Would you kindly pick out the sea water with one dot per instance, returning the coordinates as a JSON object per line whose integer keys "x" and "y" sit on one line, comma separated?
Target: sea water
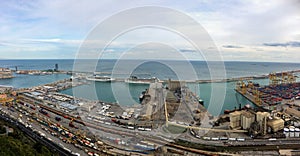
{"x": 107, "y": 91}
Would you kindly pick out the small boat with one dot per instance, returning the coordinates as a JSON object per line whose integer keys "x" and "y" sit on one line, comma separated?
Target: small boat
{"x": 100, "y": 78}
{"x": 141, "y": 97}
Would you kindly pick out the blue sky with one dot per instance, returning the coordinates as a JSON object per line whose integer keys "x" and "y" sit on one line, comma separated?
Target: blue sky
{"x": 243, "y": 30}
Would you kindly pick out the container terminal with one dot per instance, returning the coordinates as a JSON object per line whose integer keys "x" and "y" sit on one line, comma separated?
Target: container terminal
{"x": 170, "y": 119}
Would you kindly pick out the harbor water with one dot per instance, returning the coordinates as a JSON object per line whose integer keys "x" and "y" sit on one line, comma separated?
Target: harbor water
{"x": 104, "y": 90}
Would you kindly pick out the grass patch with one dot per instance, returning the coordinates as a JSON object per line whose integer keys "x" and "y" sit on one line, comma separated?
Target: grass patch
{"x": 175, "y": 129}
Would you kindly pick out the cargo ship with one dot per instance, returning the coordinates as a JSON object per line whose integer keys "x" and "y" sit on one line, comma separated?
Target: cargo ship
{"x": 135, "y": 79}
{"x": 100, "y": 78}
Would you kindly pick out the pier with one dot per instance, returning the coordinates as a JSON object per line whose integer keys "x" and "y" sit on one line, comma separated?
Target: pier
{"x": 85, "y": 74}
{"x": 282, "y": 90}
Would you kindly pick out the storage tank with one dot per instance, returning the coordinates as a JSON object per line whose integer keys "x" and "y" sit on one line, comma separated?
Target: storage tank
{"x": 235, "y": 119}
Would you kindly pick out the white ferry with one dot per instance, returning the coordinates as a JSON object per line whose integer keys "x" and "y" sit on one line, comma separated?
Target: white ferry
{"x": 135, "y": 79}
{"x": 100, "y": 78}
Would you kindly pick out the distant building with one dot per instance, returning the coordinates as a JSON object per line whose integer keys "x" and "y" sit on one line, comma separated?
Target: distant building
{"x": 5, "y": 73}
{"x": 5, "y": 89}
{"x": 56, "y": 67}
{"x": 87, "y": 107}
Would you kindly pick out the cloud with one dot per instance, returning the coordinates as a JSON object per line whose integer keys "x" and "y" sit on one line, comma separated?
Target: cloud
{"x": 232, "y": 46}
{"x": 237, "y": 26}
{"x": 286, "y": 44}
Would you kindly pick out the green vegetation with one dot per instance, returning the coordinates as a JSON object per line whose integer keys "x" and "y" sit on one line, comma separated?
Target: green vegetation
{"x": 175, "y": 129}
{"x": 200, "y": 146}
{"x": 2, "y": 129}
{"x": 18, "y": 144}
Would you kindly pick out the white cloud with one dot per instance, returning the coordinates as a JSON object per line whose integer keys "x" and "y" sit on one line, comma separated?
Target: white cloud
{"x": 61, "y": 26}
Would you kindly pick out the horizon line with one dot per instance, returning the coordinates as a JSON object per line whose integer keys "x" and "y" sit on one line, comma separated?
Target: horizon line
{"x": 18, "y": 59}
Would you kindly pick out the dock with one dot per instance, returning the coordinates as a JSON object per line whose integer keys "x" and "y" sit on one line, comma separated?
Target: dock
{"x": 282, "y": 89}
{"x": 85, "y": 74}
{"x": 249, "y": 97}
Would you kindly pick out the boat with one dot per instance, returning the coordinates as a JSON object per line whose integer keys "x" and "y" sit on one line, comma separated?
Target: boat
{"x": 100, "y": 78}
{"x": 141, "y": 97}
{"x": 135, "y": 79}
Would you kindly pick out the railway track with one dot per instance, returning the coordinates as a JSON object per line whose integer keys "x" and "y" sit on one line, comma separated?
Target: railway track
{"x": 118, "y": 132}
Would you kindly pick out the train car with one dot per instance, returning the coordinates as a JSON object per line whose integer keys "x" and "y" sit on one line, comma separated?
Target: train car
{"x": 144, "y": 147}
{"x": 31, "y": 107}
{"x": 44, "y": 112}
{"x": 57, "y": 118}
{"x": 215, "y": 138}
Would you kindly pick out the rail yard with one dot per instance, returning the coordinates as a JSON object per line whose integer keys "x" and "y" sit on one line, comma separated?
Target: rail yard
{"x": 170, "y": 119}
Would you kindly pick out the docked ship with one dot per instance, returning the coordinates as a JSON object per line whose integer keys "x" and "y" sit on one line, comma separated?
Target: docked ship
{"x": 135, "y": 79}
{"x": 100, "y": 78}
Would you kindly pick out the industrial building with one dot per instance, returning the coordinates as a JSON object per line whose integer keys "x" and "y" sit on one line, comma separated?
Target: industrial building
{"x": 275, "y": 124}
{"x": 235, "y": 119}
{"x": 261, "y": 118}
{"x": 292, "y": 112}
{"x": 261, "y": 122}
{"x": 86, "y": 106}
{"x": 247, "y": 118}
{"x": 67, "y": 106}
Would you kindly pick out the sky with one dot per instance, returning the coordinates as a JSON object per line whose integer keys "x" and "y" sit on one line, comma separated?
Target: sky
{"x": 241, "y": 30}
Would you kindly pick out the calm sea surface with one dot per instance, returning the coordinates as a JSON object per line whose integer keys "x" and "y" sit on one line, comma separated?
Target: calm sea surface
{"x": 162, "y": 70}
